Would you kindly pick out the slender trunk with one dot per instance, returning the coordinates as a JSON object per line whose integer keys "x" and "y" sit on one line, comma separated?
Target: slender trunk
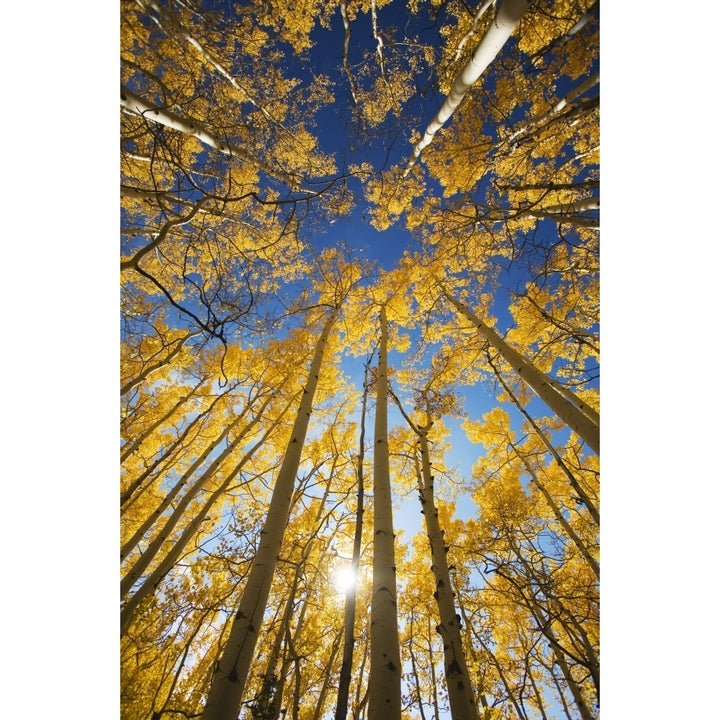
{"x": 478, "y": 16}
{"x": 297, "y": 676}
{"x": 189, "y": 126}
{"x": 147, "y": 557}
{"x": 503, "y": 679}
{"x": 414, "y": 670}
{"x": 351, "y": 593}
{"x": 130, "y": 447}
{"x": 536, "y": 691}
{"x": 269, "y": 699}
{"x": 168, "y": 562}
{"x": 230, "y": 675}
{"x": 462, "y": 699}
{"x": 560, "y": 691}
{"x": 479, "y": 679}
{"x": 558, "y": 107}
{"x": 558, "y": 513}
{"x": 179, "y": 345}
{"x": 582, "y": 495}
{"x": 433, "y": 676}
{"x": 506, "y": 19}
{"x": 327, "y": 676}
{"x": 360, "y": 702}
{"x": 385, "y": 669}
{"x": 574, "y": 417}
{"x": 291, "y": 657}
{"x": 346, "y": 47}
{"x": 574, "y": 688}
{"x": 180, "y": 667}
{"x": 460, "y": 692}
{"x": 166, "y": 457}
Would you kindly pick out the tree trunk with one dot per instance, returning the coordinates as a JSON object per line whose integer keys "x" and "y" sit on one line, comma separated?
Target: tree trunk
{"x": 462, "y": 699}
{"x": 180, "y": 344}
{"x": 414, "y": 669}
{"x": 189, "y": 126}
{"x": 460, "y": 692}
{"x": 155, "y": 578}
{"x": 582, "y": 495}
{"x": 351, "y": 594}
{"x": 558, "y": 107}
{"x": 573, "y": 417}
{"x": 506, "y": 18}
{"x": 147, "y": 557}
{"x": 228, "y": 683}
{"x": 385, "y": 669}
{"x": 130, "y": 447}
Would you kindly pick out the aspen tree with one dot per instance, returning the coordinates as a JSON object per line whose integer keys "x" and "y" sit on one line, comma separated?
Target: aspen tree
{"x": 223, "y": 192}
{"x": 130, "y": 447}
{"x": 385, "y": 668}
{"x": 508, "y": 14}
{"x": 462, "y": 698}
{"x": 351, "y": 593}
{"x": 574, "y": 417}
{"x": 150, "y": 584}
{"x": 167, "y": 456}
{"x": 228, "y": 682}
{"x": 577, "y": 487}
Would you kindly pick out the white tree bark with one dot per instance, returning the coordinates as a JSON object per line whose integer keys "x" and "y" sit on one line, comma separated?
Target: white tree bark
{"x": 572, "y": 208}
{"x": 457, "y": 676}
{"x": 179, "y": 344}
{"x": 574, "y": 417}
{"x": 137, "y": 570}
{"x": 478, "y": 16}
{"x": 189, "y": 126}
{"x": 228, "y": 682}
{"x": 567, "y": 212}
{"x": 385, "y": 668}
{"x": 168, "y": 562}
{"x": 160, "y": 17}
{"x": 558, "y": 107}
{"x": 505, "y": 22}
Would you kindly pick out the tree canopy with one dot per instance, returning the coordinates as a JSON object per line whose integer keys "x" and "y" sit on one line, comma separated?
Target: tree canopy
{"x": 359, "y": 359}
